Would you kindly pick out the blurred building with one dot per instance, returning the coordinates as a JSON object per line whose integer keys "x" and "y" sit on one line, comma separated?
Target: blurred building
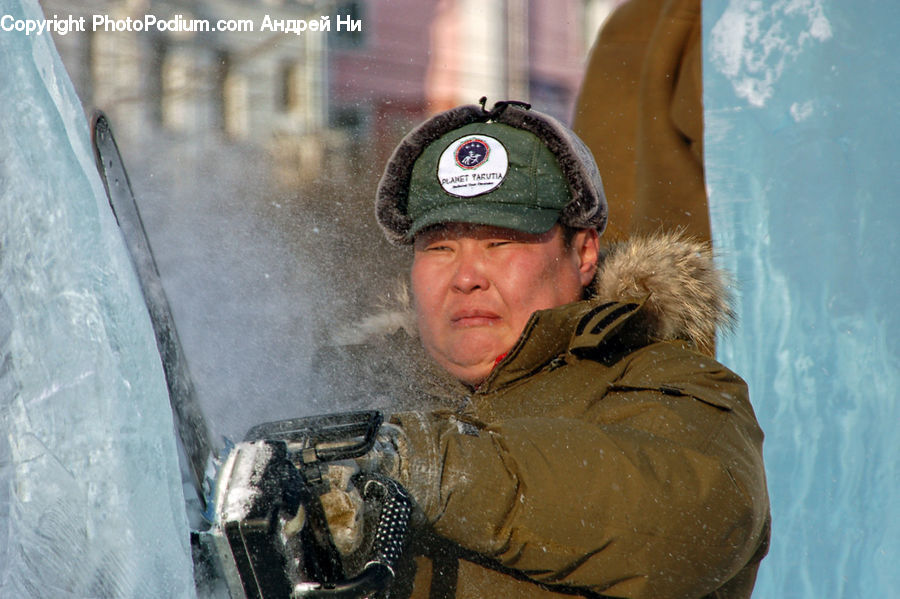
{"x": 377, "y": 77}
{"x": 415, "y": 58}
{"x": 530, "y": 50}
{"x": 204, "y": 67}
{"x": 311, "y": 99}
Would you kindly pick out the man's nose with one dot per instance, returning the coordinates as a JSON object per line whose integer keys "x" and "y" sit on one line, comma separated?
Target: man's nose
{"x": 470, "y": 274}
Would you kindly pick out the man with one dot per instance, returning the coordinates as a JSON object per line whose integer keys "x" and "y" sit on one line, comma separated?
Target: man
{"x": 562, "y": 432}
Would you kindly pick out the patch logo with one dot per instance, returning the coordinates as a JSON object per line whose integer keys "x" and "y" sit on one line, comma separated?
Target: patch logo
{"x": 472, "y": 165}
{"x": 472, "y": 153}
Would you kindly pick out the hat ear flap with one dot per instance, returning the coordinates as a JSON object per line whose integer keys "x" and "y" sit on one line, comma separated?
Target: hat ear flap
{"x": 392, "y": 196}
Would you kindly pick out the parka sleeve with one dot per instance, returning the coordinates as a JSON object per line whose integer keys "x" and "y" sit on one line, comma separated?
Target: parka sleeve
{"x": 641, "y": 489}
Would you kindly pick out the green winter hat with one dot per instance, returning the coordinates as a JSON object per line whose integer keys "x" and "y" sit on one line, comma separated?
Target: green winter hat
{"x": 509, "y": 167}
{"x": 487, "y": 174}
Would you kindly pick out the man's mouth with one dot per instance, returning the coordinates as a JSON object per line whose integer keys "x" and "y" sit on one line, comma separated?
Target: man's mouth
{"x": 473, "y": 318}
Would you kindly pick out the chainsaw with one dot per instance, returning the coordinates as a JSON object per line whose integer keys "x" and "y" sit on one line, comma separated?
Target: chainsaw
{"x": 269, "y": 537}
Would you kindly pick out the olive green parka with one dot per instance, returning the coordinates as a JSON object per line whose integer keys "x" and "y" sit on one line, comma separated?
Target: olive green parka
{"x": 603, "y": 456}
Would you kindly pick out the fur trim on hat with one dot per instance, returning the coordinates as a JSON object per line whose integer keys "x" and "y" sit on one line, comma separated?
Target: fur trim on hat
{"x": 587, "y": 208}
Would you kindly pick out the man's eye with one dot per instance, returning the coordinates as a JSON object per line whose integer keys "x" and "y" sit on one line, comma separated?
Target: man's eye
{"x": 499, "y": 242}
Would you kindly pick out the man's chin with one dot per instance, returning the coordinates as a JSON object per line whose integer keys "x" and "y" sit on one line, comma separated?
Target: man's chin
{"x": 470, "y": 375}
{"x": 471, "y": 367}
{"x": 468, "y": 357}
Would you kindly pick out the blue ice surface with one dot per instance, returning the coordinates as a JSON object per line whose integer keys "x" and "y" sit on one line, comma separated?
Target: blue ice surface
{"x": 802, "y": 156}
{"x": 91, "y": 502}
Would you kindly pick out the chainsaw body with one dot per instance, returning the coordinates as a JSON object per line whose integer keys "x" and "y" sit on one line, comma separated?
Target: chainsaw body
{"x": 269, "y": 535}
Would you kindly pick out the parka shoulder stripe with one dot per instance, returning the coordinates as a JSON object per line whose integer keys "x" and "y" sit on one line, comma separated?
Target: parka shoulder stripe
{"x": 586, "y": 319}
{"x": 599, "y": 324}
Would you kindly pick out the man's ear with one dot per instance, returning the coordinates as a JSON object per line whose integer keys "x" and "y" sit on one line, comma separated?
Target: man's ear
{"x": 586, "y": 245}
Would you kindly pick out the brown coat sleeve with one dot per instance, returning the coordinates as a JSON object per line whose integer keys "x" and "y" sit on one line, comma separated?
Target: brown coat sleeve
{"x": 641, "y": 490}
{"x": 640, "y": 110}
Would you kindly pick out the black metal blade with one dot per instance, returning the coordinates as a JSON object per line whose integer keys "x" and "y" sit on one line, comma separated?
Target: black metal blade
{"x": 189, "y": 420}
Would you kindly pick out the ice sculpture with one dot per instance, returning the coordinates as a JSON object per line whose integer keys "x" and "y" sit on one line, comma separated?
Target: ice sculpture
{"x": 91, "y": 503}
{"x": 801, "y": 151}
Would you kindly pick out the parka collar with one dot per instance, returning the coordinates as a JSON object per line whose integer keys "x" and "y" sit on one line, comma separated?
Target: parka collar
{"x": 593, "y": 324}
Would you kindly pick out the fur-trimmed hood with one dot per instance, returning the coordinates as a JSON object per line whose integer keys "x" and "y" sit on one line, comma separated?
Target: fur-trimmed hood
{"x": 688, "y": 297}
{"x": 685, "y": 295}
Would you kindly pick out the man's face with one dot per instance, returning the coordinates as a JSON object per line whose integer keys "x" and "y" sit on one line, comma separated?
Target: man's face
{"x": 476, "y": 286}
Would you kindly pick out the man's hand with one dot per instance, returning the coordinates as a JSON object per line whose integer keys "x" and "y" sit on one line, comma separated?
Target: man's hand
{"x": 343, "y": 507}
{"x": 389, "y": 456}
{"x": 342, "y": 503}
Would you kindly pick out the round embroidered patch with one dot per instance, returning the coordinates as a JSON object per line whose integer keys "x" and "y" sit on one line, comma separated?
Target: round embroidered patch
{"x": 472, "y": 165}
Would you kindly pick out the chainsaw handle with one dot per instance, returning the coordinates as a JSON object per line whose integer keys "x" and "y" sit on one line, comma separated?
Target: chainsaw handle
{"x": 393, "y": 522}
{"x": 325, "y": 438}
{"x": 390, "y": 532}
